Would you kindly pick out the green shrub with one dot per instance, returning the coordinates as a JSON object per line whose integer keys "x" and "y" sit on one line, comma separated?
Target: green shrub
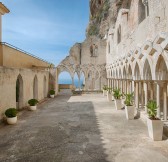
{"x": 105, "y": 87}
{"x": 11, "y": 112}
{"x": 152, "y": 109}
{"x": 32, "y": 102}
{"x": 129, "y": 99}
{"x": 117, "y": 94}
{"x": 52, "y": 92}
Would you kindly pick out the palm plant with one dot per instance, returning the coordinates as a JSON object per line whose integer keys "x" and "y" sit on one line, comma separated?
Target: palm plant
{"x": 117, "y": 93}
{"x": 129, "y": 99}
{"x": 152, "y": 109}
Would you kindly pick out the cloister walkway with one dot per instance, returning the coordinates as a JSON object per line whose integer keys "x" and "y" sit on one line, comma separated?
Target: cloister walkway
{"x": 83, "y": 128}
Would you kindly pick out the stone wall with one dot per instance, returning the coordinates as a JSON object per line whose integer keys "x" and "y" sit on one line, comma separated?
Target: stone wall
{"x": 8, "y": 79}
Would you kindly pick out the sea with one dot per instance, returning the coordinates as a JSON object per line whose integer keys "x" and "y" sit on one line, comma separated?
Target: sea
{"x": 69, "y": 81}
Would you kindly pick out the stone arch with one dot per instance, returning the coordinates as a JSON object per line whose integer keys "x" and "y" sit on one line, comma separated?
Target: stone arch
{"x": 141, "y": 11}
{"x": 35, "y": 87}
{"x": 129, "y": 72}
{"x": 137, "y": 72}
{"x": 124, "y": 73}
{"x": 161, "y": 72}
{"x": 19, "y": 92}
{"x": 119, "y": 34}
{"x": 116, "y": 73}
{"x": 45, "y": 87}
{"x": 147, "y": 72}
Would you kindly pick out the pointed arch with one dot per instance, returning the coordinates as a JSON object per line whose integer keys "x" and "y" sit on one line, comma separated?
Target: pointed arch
{"x": 45, "y": 87}
{"x": 137, "y": 72}
{"x": 19, "y": 92}
{"x": 161, "y": 71}
{"x": 141, "y": 11}
{"x": 147, "y": 73}
{"x": 35, "y": 88}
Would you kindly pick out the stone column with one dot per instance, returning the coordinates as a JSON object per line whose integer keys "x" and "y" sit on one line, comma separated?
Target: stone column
{"x": 146, "y": 94}
{"x": 121, "y": 86}
{"x": 158, "y": 99}
{"x": 165, "y": 102}
{"x": 151, "y": 91}
{"x": 73, "y": 81}
{"x": 142, "y": 96}
{"x": 108, "y": 82}
{"x": 137, "y": 95}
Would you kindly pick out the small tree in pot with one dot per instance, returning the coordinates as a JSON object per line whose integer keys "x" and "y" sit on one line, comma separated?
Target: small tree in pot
{"x": 105, "y": 88}
{"x": 11, "y": 115}
{"x": 129, "y": 107}
{"x": 33, "y": 104}
{"x": 52, "y": 93}
{"x": 155, "y": 125}
{"x": 117, "y": 98}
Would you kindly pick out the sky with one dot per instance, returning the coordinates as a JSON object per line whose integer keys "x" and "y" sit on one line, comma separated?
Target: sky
{"x": 45, "y": 28}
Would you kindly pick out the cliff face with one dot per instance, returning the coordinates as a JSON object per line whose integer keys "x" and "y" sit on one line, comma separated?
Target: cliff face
{"x": 102, "y": 13}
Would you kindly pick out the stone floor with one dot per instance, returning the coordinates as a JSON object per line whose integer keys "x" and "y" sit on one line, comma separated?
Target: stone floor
{"x": 83, "y": 128}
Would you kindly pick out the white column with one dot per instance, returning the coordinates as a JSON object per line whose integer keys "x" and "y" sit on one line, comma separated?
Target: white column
{"x": 108, "y": 82}
{"x": 142, "y": 96}
{"x": 158, "y": 99}
{"x": 146, "y": 94}
{"x": 137, "y": 95}
{"x": 165, "y": 103}
{"x": 151, "y": 91}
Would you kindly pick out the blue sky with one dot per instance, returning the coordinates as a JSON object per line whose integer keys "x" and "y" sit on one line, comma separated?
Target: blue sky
{"x": 45, "y": 28}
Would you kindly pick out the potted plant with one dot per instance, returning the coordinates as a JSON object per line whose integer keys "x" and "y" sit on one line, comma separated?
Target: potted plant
{"x": 11, "y": 115}
{"x": 33, "y": 104}
{"x": 117, "y": 98}
{"x": 109, "y": 94}
{"x": 105, "y": 90}
{"x": 52, "y": 93}
{"x": 129, "y": 107}
{"x": 155, "y": 125}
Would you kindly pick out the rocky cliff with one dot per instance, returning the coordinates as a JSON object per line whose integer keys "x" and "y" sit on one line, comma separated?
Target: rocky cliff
{"x": 103, "y": 13}
{"x": 99, "y": 17}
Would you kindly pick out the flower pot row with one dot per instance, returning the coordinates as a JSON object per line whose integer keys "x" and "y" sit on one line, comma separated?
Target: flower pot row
{"x": 11, "y": 113}
{"x": 155, "y": 125}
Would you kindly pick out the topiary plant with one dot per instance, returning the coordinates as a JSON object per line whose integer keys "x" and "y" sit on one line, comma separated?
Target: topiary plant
{"x": 117, "y": 94}
{"x": 52, "y": 92}
{"x": 33, "y": 102}
{"x": 152, "y": 109}
{"x": 11, "y": 113}
{"x": 129, "y": 99}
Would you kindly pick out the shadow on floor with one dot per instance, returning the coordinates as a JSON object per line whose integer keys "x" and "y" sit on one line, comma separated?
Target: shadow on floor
{"x": 59, "y": 131}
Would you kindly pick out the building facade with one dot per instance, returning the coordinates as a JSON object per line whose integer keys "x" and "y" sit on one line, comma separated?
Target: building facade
{"x": 137, "y": 52}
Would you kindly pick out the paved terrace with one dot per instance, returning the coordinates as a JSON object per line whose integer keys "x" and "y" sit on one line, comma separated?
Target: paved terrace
{"x": 83, "y": 128}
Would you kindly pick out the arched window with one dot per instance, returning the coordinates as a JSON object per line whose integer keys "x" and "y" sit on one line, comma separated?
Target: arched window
{"x": 141, "y": 12}
{"x": 119, "y": 34}
{"x": 109, "y": 50}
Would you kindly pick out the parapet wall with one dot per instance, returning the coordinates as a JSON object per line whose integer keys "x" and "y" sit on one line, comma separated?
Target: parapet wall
{"x": 12, "y": 57}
